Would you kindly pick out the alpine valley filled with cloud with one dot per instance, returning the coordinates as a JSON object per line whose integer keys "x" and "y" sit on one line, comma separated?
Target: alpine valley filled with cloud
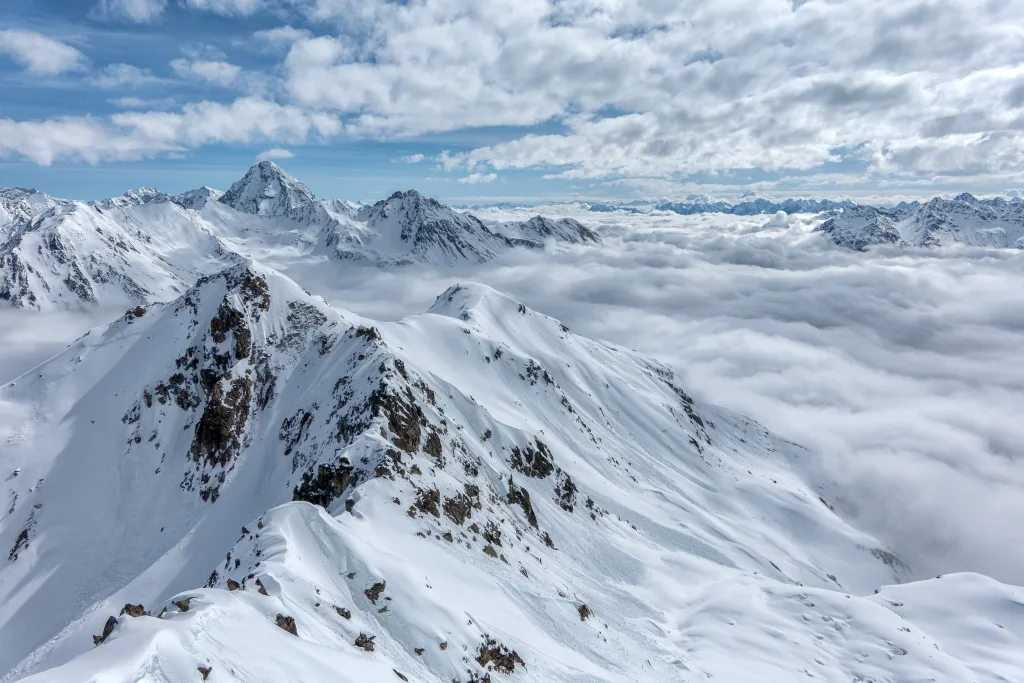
{"x": 440, "y": 341}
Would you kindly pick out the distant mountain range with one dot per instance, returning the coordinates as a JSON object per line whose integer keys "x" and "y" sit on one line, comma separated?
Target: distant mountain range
{"x": 147, "y": 246}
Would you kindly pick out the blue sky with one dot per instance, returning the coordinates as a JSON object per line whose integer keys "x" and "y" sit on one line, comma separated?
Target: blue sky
{"x": 517, "y": 99}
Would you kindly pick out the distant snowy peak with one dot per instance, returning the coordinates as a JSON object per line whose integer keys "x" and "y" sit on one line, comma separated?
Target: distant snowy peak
{"x": 539, "y": 228}
{"x": 138, "y": 197}
{"x": 859, "y": 227}
{"x": 266, "y": 190}
{"x": 410, "y": 228}
{"x": 964, "y": 219}
{"x": 197, "y": 199}
{"x": 18, "y": 205}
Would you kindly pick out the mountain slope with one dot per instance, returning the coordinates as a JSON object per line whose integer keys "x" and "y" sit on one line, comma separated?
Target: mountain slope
{"x": 540, "y": 229}
{"x": 130, "y": 249}
{"x": 410, "y": 228}
{"x": 487, "y": 476}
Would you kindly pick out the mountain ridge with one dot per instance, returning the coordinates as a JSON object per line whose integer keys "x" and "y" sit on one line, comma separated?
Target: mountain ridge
{"x": 365, "y": 462}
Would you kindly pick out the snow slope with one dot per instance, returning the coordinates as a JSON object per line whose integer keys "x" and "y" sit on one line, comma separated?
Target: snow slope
{"x": 454, "y": 487}
{"x": 129, "y": 249}
{"x": 409, "y": 228}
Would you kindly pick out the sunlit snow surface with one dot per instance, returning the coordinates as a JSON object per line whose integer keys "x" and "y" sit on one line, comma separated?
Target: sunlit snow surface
{"x": 899, "y": 370}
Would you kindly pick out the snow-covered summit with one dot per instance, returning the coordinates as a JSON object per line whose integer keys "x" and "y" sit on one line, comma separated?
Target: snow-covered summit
{"x": 409, "y": 228}
{"x": 268, "y": 191}
{"x": 137, "y": 197}
{"x": 197, "y": 199}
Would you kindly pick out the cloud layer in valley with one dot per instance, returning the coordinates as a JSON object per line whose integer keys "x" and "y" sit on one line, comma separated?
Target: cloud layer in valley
{"x": 901, "y": 371}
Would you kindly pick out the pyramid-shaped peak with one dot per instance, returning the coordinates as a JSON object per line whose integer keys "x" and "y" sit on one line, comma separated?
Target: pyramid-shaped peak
{"x": 267, "y": 190}
{"x": 468, "y": 300}
{"x": 966, "y": 197}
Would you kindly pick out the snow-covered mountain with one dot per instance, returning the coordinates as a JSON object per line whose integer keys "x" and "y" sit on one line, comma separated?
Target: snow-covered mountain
{"x": 267, "y": 191}
{"x": 146, "y": 246}
{"x": 408, "y": 228}
{"x": 130, "y": 249}
{"x": 540, "y": 229}
{"x": 246, "y": 484}
{"x": 938, "y": 222}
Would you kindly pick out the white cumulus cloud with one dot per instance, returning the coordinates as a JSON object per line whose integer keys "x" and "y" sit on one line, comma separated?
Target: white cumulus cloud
{"x": 275, "y": 153}
{"x": 39, "y": 54}
{"x": 137, "y": 11}
{"x": 477, "y": 178}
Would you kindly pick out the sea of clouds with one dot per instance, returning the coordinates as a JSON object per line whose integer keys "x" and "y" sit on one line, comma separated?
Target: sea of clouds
{"x": 901, "y": 370}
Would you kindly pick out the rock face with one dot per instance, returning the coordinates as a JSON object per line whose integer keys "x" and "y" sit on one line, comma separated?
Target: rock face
{"x": 197, "y": 199}
{"x": 267, "y": 191}
{"x": 470, "y": 477}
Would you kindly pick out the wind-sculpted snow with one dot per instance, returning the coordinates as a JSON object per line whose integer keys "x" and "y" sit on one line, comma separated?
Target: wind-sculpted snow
{"x": 474, "y": 491}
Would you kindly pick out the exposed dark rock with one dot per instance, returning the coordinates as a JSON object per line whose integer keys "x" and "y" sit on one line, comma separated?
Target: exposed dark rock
{"x": 108, "y": 628}
{"x": 204, "y": 671}
{"x": 400, "y": 675}
{"x": 261, "y": 588}
{"x": 364, "y": 641}
{"x": 402, "y": 413}
{"x": 373, "y": 592}
{"x": 20, "y": 543}
{"x": 491, "y": 533}
{"x": 536, "y": 463}
{"x": 428, "y": 501}
{"x": 495, "y": 656}
{"x": 458, "y": 508}
{"x": 183, "y": 604}
{"x": 434, "y": 449}
{"x": 287, "y": 624}
{"x": 565, "y": 492}
{"x": 521, "y": 497}
{"x": 328, "y": 485}
{"x": 584, "y": 611}
{"x": 134, "y": 610}
{"x": 233, "y": 585}
{"x": 489, "y": 550}
{"x": 343, "y": 613}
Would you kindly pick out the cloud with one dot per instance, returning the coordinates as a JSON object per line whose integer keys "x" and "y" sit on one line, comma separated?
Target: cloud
{"x": 413, "y": 158}
{"x": 282, "y": 35}
{"x": 476, "y": 178}
{"x": 120, "y": 75}
{"x": 226, "y": 7}
{"x": 137, "y": 135}
{"x": 899, "y": 370}
{"x": 39, "y": 54}
{"x": 275, "y": 153}
{"x": 221, "y": 73}
{"x": 136, "y": 11}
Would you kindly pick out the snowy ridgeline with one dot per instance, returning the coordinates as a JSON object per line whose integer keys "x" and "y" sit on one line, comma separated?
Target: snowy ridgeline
{"x": 245, "y": 484}
{"x": 147, "y": 246}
